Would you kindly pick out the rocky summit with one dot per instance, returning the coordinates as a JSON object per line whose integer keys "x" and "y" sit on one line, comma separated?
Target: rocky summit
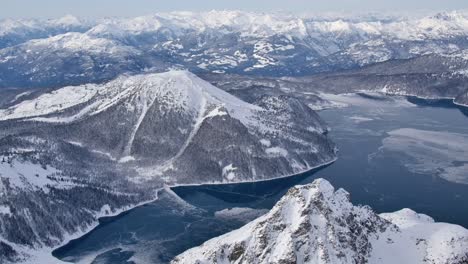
{"x": 315, "y": 223}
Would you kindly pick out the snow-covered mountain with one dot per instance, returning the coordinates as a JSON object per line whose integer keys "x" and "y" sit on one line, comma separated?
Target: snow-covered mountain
{"x": 70, "y": 59}
{"x": 217, "y": 41}
{"x": 431, "y": 76}
{"x": 16, "y": 31}
{"x": 75, "y": 153}
{"x": 316, "y": 224}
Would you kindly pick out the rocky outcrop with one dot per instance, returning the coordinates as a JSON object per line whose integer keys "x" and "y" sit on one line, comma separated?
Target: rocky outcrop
{"x": 316, "y": 224}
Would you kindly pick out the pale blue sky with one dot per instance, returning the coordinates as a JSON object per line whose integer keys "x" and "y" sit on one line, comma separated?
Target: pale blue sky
{"x": 99, "y": 8}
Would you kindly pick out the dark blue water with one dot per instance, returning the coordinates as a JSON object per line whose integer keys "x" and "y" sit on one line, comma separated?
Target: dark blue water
{"x": 156, "y": 232}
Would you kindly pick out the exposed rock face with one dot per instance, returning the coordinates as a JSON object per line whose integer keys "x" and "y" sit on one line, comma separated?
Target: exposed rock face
{"x": 316, "y": 224}
{"x": 79, "y": 152}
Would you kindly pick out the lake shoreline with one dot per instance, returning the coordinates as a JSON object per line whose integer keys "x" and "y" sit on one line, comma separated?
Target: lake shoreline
{"x": 120, "y": 212}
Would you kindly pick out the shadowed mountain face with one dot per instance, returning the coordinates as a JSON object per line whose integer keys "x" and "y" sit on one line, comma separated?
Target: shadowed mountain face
{"x": 462, "y": 99}
{"x": 316, "y": 224}
{"x": 429, "y": 77}
{"x": 79, "y": 152}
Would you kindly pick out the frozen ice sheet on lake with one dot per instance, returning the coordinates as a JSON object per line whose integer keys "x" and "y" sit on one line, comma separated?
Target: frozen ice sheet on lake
{"x": 440, "y": 153}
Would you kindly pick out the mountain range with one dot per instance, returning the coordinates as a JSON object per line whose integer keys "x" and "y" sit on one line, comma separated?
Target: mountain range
{"x": 72, "y": 51}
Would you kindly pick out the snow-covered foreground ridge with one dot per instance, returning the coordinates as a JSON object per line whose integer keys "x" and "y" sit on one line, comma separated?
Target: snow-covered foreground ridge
{"x": 76, "y": 153}
{"x": 315, "y": 223}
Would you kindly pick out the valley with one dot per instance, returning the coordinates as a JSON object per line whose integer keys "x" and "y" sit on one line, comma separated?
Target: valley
{"x": 135, "y": 139}
{"x": 371, "y": 174}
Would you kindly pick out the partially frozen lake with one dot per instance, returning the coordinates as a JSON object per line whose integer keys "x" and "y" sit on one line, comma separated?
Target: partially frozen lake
{"x": 394, "y": 153}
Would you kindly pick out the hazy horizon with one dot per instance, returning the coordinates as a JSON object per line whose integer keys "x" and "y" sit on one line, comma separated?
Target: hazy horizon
{"x": 122, "y": 8}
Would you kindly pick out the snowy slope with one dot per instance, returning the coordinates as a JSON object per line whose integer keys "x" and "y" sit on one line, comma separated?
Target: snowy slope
{"x": 316, "y": 224}
{"x": 72, "y": 154}
{"x": 183, "y": 110}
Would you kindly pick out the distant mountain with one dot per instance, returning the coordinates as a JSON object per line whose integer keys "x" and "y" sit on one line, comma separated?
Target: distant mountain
{"x": 430, "y": 76}
{"x": 17, "y": 31}
{"x": 218, "y": 41}
{"x": 70, "y": 58}
{"x": 315, "y": 224}
{"x": 72, "y": 154}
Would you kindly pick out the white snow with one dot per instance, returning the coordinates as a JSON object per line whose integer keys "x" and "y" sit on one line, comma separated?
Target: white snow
{"x": 420, "y": 240}
{"x": 18, "y": 96}
{"x": 67, "y": 20}
{"x": 243, "y": 214}
{"x": 229, "y": 172}
{"x": 178, "y": 90}
{"x": 407, "y": 218}
{"x": 74, "y": 41}
{"x": 216, "y": 112}
{"x": 310, "y": 225}
{"x": 79, "y": 144}
{"x": 27, "y": 175}
{"x": 265, "y": 142}
{"x": 126, "y": 159}
{"x": 105, "y": 210}
{"x": 432, "y": 152}
{"x": 107, "y": 154}
{"x": 5, "y": 210}
{"x": 356, "y": 100}
{"x": 276, "y": 151}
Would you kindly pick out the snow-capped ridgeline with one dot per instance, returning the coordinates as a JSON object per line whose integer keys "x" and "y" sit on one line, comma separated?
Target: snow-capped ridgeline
{"x": 216, "y": 41}
{"x": 315, "y": 223}
{"x": 178, "y": 90}
{"x": 49, "y": 103}
{"x": 252, "y": 23}
{"x": 78, "y": 42}
{"x": 8, "y": 26}
{"x": 16, "y": 31}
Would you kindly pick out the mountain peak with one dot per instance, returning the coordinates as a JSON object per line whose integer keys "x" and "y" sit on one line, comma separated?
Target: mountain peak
{"x": 67, "y": 20}
{"x": 134, "y": 134}
{"x": 314, "y": 223}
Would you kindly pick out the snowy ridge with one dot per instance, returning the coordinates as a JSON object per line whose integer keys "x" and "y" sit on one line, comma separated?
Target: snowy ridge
{"x": 180, "y": 90}
{"x": 271, "y": 44}
{"x": 56, "y": 101}
{"x": 267, "y": 24}
{"x": 78, "y": 42}
{"x": 316, "y": 224}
